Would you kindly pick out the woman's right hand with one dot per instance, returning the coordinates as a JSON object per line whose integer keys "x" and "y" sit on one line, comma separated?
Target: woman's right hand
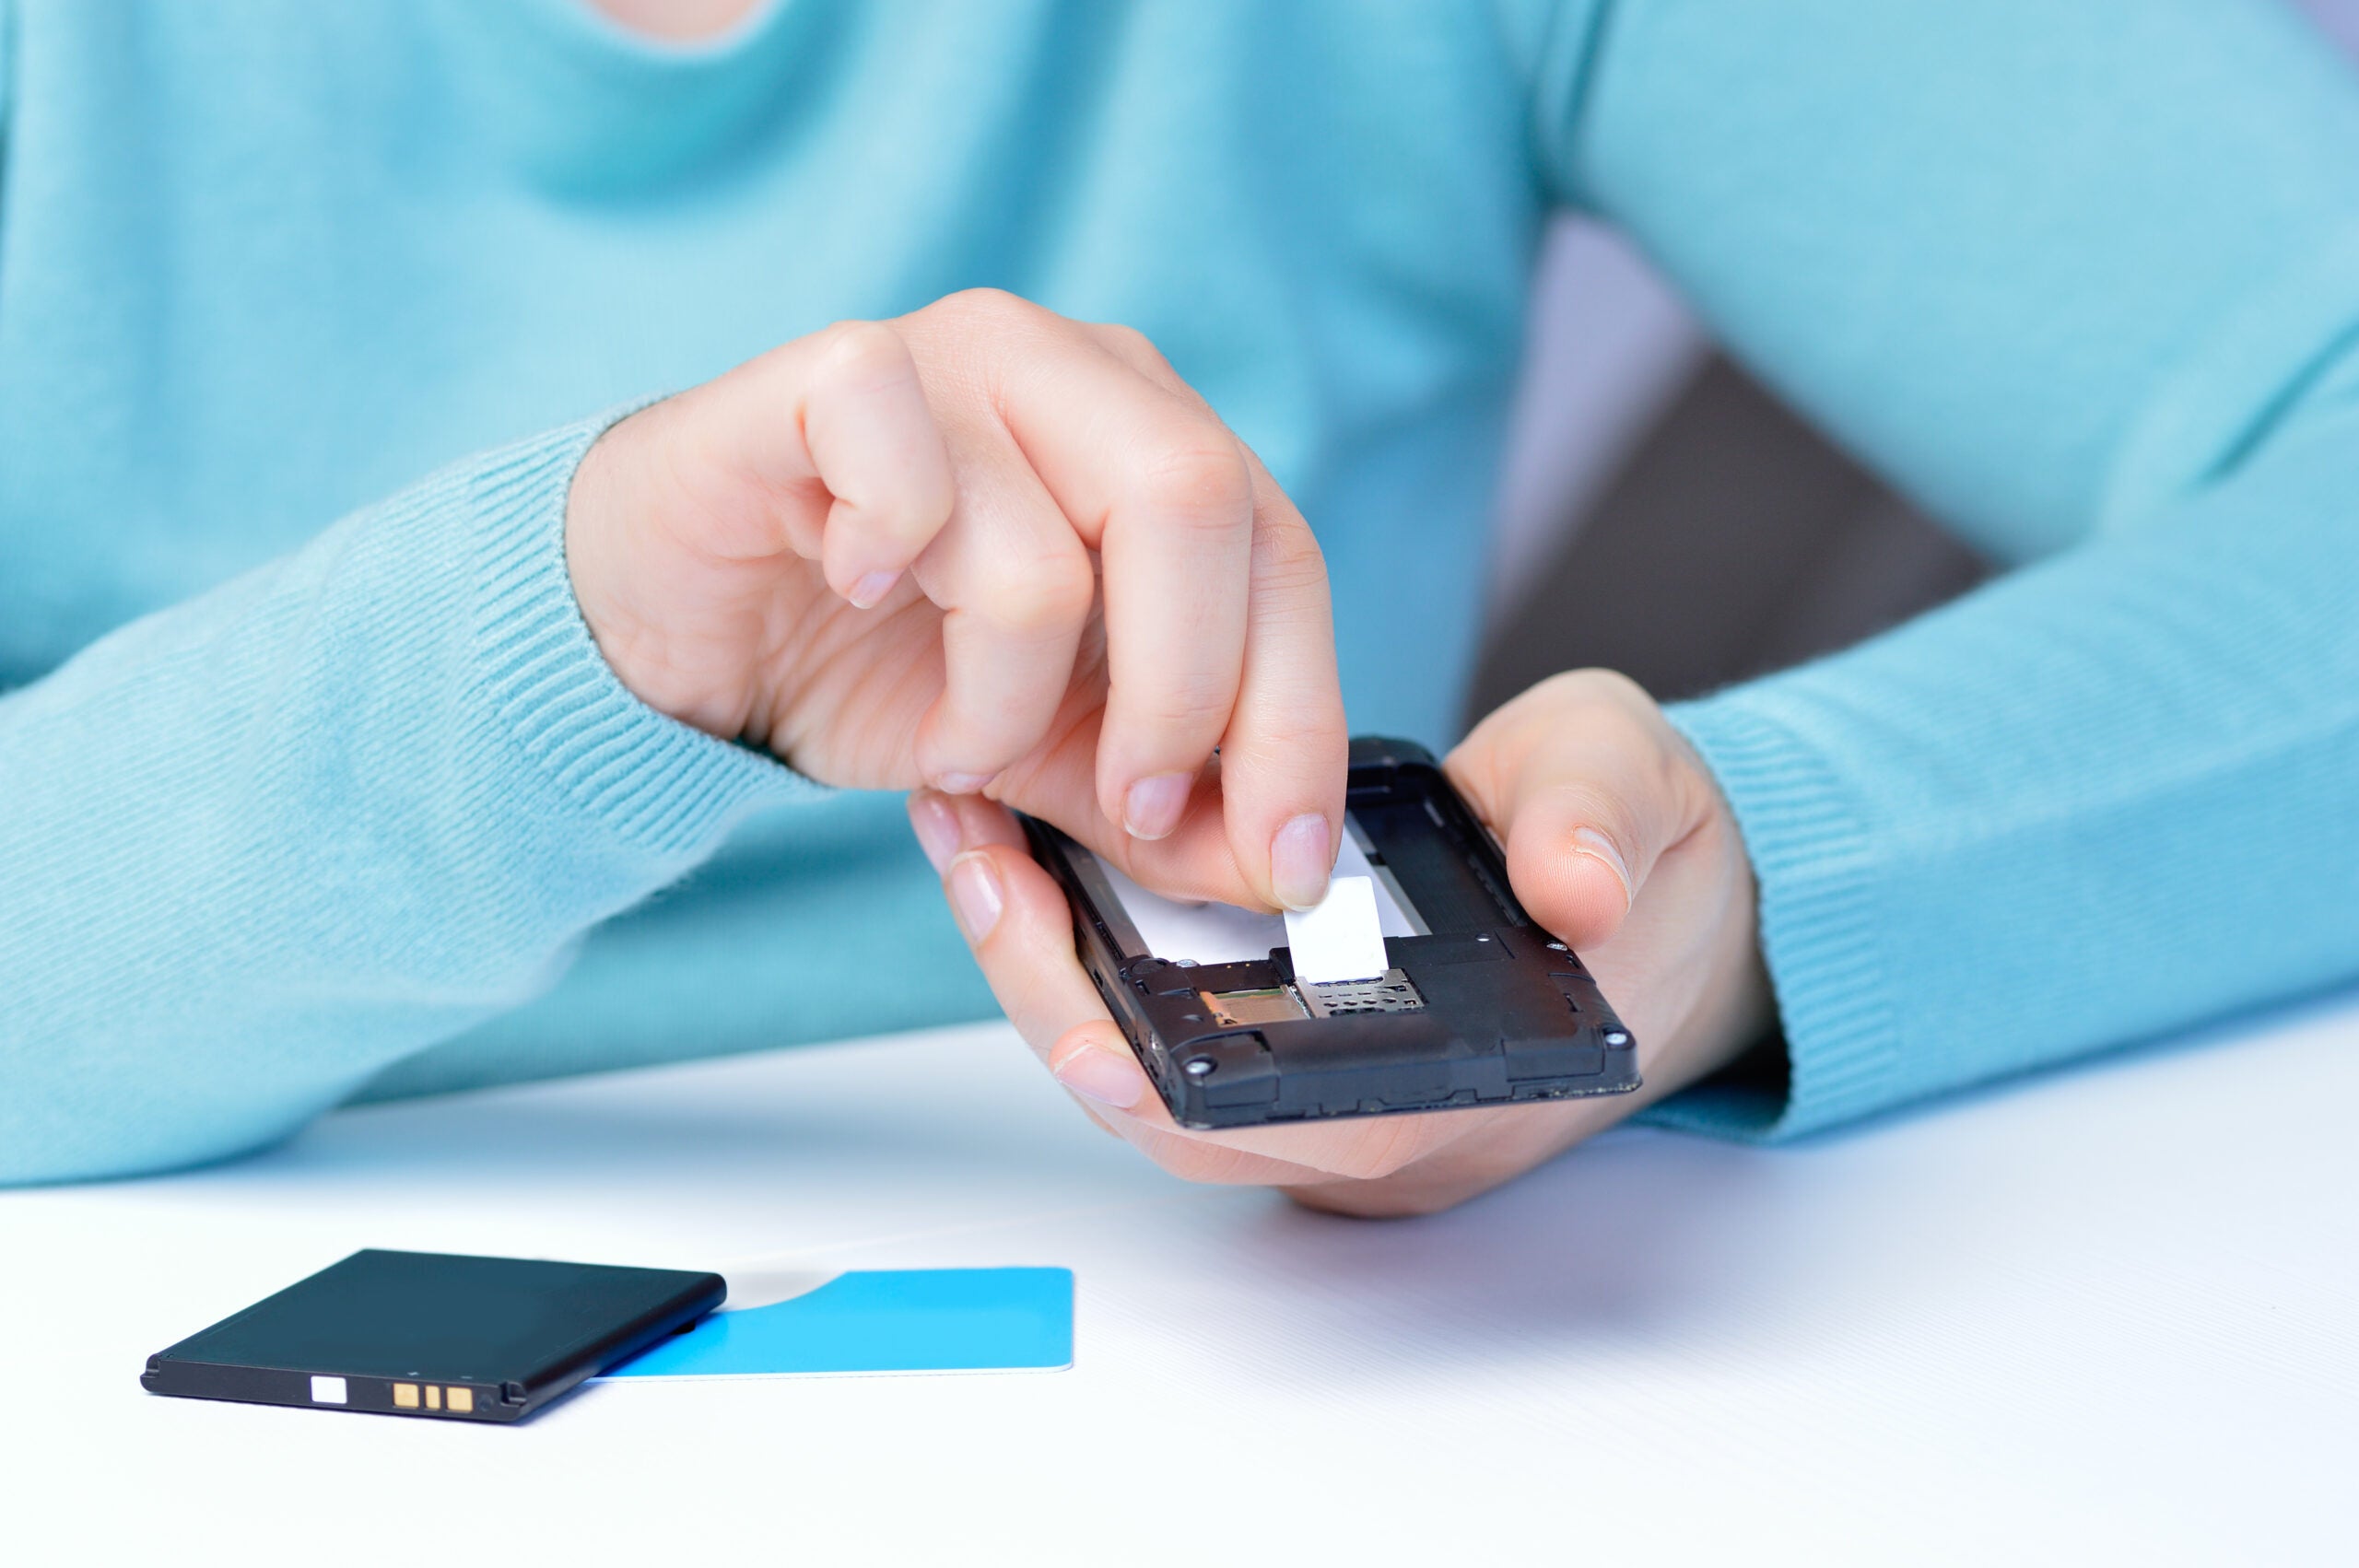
{"x": 988, "y": 550}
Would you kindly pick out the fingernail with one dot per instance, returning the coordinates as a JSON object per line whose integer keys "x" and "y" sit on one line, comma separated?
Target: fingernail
{"x": 975, "y": 896}
{"x": 1590, "y": 842}
{"x": 963, "y": 783}
{"x": 1300, "y": 857}
{"x": 1096, "y": 1073}
{"x": 935, "y": 822}
{"x": 1152, "y": 808}
{"x": 872, "y": 588}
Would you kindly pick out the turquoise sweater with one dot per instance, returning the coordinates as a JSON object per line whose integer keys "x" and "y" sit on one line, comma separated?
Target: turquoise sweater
{"x": 313, "y": 787}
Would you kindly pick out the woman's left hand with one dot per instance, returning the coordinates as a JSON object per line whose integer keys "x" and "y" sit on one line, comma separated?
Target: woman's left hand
{"x": 1617, "y": 840}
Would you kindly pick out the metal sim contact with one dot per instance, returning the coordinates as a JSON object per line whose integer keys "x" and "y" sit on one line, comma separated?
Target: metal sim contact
{"x": 1388, "y": 992}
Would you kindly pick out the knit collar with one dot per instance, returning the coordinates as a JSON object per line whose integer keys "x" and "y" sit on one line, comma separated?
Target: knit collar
{"x": 578, "y": 104}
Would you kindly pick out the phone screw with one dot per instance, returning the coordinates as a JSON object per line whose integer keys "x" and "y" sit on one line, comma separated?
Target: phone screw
{"x": 1198, "y": 1067}
{"x": 1616, "y": 1037}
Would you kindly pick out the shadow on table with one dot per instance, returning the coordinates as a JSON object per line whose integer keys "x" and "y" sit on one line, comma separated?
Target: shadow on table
{"x": 1617, "y": 1242}
{"x": 1642, "y": 1235}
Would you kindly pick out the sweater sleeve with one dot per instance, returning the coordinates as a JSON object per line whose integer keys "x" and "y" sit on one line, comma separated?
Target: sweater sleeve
{"x": 2084, "y": 279}
{"x": 258, "y": 846}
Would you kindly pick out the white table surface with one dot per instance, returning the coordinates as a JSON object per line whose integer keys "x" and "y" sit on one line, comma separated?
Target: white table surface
{"x": 2110, "y": 1315}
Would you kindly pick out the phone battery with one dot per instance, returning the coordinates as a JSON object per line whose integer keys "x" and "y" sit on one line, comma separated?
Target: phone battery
{"x": 434, "y": 1334}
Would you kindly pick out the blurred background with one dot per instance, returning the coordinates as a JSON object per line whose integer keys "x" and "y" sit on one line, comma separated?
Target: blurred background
{"x": 1643, "y": 457}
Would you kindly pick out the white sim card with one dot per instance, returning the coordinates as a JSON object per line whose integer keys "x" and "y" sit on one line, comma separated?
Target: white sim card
{"x": 1340, "y": 937}
{"x": 1219, "y": 933}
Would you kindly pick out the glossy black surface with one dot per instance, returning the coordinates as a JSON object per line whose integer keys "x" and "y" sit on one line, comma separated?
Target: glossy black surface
{"x": 513, "y": 1333}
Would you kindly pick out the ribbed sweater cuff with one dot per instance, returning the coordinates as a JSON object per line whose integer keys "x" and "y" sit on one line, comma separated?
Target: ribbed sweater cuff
{"x": 1818, "y": 930}
{"x": 549, "y": 694}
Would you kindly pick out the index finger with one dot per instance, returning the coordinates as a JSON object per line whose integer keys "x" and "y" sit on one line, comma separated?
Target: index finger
{"x": 1152, "y": 480}
{"x": 1284, "y": 743}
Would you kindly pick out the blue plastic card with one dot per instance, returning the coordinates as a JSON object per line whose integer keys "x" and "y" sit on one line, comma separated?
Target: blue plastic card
{"x": 884, "y": 1320}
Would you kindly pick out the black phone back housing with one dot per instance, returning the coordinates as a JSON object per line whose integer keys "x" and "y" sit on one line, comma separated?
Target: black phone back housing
{"x": 1487, "y": 1008}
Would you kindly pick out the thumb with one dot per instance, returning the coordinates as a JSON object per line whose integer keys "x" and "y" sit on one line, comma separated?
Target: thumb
{"x": 1577, "y": 857}
{"x": 1586, "y": 810}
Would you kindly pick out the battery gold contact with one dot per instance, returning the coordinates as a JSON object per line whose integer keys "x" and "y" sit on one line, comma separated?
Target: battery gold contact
{"x": 458, "y": 1399}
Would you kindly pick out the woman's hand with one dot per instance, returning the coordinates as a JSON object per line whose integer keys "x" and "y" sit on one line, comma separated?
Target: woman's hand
{"x": 991, "y": 550}
{"x": 1617, "y": 840}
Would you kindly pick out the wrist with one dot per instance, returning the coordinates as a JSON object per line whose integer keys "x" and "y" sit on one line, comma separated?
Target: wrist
{"x": 1740, "y": 1007}
{"x": 620, "y": 583}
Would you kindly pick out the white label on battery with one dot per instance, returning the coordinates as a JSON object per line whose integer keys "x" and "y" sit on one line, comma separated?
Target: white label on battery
{"x": 1340, "y": 937}
{"x": 328, "y": 1390}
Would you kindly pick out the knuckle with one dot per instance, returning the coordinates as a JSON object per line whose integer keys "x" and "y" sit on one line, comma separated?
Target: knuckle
{"x": 1198, "y": 479}
{"x": 1134, "y": 343}
{"x": 1281, "y": 744}
{"x": 1592, "y": 712}
{"x": 863, "y": 353}
{"x": 1135, "y": 346}
{"x": 1618, "y": 729}
{"x": 1287, "y": 559}
{"x": 1046, "y": 595}
{"x": 1191, "y": 701}
{"x": 1567, "y": 690}
{"x": 1608, "y": 692}
{"x": 989, "y": 307}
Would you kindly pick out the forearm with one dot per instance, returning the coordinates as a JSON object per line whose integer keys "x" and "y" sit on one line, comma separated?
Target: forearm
{"x": 2084, "y": 280}
{"x": 259, "y": 845}
{"x": 2104, "y": 799}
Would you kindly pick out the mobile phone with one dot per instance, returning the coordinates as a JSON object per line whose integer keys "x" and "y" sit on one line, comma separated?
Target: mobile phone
{"x": 1480, "y": 1006}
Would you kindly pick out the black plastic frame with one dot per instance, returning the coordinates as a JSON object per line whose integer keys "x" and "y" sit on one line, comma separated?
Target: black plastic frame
{"x": 1511, "y": 1014}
